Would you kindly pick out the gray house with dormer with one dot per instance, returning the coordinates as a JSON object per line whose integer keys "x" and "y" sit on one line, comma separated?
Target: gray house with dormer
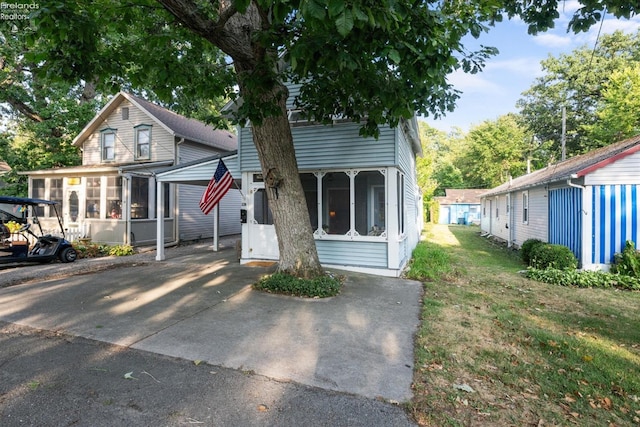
{"x": 111, "y": 197}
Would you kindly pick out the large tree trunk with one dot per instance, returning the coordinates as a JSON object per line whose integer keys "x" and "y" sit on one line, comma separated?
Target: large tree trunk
{"x": 274, "y": 142}
{"x": 260, "y": 87}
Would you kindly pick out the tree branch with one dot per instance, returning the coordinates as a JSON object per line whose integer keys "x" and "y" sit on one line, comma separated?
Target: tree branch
{"x": 230, "y": 42}
{"x": 25, "y": 109}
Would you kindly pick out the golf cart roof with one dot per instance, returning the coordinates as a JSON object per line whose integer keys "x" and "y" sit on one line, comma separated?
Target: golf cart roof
{"x": 25, "y": 201}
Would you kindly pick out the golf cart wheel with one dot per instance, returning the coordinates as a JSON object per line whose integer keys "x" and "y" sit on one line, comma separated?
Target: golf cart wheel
{"x": 68, "y": 255}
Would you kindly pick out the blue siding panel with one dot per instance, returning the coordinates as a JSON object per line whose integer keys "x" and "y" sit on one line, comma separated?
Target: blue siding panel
{"x": 360, "y": 254}
{"x": 565, "y": 218}
{"x": 614, "y": 220}
{"x": 328, "y": 147}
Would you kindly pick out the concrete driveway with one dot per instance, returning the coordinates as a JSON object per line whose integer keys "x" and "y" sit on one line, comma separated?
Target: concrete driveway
{"x": 200, "y": 306}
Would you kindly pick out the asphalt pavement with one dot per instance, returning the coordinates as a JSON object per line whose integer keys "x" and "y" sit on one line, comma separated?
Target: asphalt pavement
{"x": 187, "y": 341}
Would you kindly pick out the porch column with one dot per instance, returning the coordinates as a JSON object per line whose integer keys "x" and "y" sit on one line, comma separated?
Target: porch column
{"x": 160, "y": 222}
{"x": 393, "y": 232}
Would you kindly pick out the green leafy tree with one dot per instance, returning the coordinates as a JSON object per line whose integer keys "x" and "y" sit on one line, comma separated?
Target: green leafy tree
{"x": 374, "y": 62}
{"x": 494, "y": 151}
{"x": 576, "y": 81}
{"x": 41, "y": 117}
{"x": 618, "y": 111}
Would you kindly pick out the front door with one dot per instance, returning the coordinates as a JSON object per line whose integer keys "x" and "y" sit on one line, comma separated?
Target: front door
{"x": 263, "y": 243}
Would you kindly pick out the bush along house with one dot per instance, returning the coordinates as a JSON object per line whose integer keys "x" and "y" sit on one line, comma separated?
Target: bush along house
{"x": 111, "y": 197}
{"x": 588, "y": 203}
{"x": 361, "y": 193}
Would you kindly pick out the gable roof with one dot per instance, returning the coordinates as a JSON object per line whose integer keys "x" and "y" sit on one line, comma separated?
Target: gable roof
{"x": 465, "y": 196}
{"x": 177, "y": 125}
{"x": 575, "y": 167}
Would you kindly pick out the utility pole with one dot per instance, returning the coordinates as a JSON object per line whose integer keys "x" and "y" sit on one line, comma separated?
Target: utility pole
{"x": 563, "y": 137}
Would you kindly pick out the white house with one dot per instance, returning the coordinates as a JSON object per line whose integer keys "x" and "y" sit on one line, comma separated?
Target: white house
{"x": 112, "y": 196}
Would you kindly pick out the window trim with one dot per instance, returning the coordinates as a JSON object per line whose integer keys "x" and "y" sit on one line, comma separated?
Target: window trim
{"x": 103, "y": 134}
{"x": 137, "y": 129}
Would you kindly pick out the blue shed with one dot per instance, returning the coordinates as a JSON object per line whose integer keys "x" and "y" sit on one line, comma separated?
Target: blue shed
{"x": 459, "y": 206}
{"x": 588, "y": 203}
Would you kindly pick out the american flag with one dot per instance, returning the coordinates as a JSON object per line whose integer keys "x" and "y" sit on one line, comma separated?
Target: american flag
{"x": 217, "y": 188}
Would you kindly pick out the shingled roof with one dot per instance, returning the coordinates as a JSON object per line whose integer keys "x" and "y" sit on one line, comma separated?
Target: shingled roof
{"x": 179, "y": 126}
{"x": 460, "y": 196}
{"x": 575, "y": 167}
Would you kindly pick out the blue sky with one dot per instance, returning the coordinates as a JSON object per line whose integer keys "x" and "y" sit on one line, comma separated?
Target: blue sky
{"x": 494, "y": 91}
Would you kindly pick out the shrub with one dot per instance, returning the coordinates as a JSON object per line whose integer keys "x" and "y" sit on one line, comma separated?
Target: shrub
{"x": 583, "y": 278}
{"x": 90, "y": 250}
{"x": 547, "y": 255}
{"x": 282, "y": 283}
{"x": 121, "y": 250}
{"x": 627, "y": 262}
{"x": 525, "y": 249}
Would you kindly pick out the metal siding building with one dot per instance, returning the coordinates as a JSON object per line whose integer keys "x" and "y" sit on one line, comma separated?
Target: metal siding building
{"x": 565, "y": 218}
{"x": 588, "y": 203}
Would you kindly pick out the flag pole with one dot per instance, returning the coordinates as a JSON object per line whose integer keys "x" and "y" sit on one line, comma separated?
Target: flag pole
{"x": 215, "y": 228}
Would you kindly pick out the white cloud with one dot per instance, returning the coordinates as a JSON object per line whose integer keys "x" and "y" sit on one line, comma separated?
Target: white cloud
{"x": 472, "y": 83}
{"x": 553, "y": 41}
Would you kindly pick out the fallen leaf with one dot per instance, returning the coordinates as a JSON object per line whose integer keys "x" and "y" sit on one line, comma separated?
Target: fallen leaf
{"x": 464, "y": 387}
{"x": 575, "y": 414}
{"x": 197, "y": 362}
{"x": 587, "y": 358}
{"x": 568, "y": 398}
{"x": 129, "y": 376}
{"x": 263, "y": 408}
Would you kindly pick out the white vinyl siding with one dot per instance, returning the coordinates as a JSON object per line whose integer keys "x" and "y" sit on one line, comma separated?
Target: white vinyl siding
{"x": 195, "y": 225}
{"x": 624, "y": 171}
{"x": 538, "y": 213}
{"x": 162, "y": 142}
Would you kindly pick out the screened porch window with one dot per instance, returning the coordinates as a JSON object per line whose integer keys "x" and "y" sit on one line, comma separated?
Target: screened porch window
{"x": 139, "y": 198}
{"x": 93, "y": 197}
{"x": 370, "y": 203}
{"x": 342, "y": 203}
{"x": 335, "y": 203}
{"x": 55, "y": 195}
{"x": 352, "y": 203}
{"x": 37, "y": 191}
{"x": 114, "y": 197}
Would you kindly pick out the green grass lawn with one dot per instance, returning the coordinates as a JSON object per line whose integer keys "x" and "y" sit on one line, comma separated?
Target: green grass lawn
{"x": 497, "y": 349}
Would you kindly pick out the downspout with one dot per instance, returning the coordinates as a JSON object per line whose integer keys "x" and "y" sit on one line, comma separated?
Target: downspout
{"x": 574, "y": 185}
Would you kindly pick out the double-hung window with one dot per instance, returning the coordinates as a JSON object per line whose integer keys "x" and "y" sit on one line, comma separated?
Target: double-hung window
{"x": 143, "y": 142}
{"x": 108, "y": 145}
{"x": 525, "y": 207}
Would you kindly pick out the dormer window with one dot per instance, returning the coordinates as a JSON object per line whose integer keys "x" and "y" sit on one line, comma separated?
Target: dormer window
{"x": 108, "y": 145}
{"x": 143, "y": 142}
{"x": 125, "y": 113}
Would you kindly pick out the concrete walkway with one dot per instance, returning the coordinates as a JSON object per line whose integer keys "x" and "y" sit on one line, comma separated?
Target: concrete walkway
{"x": 200, "y": 306}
